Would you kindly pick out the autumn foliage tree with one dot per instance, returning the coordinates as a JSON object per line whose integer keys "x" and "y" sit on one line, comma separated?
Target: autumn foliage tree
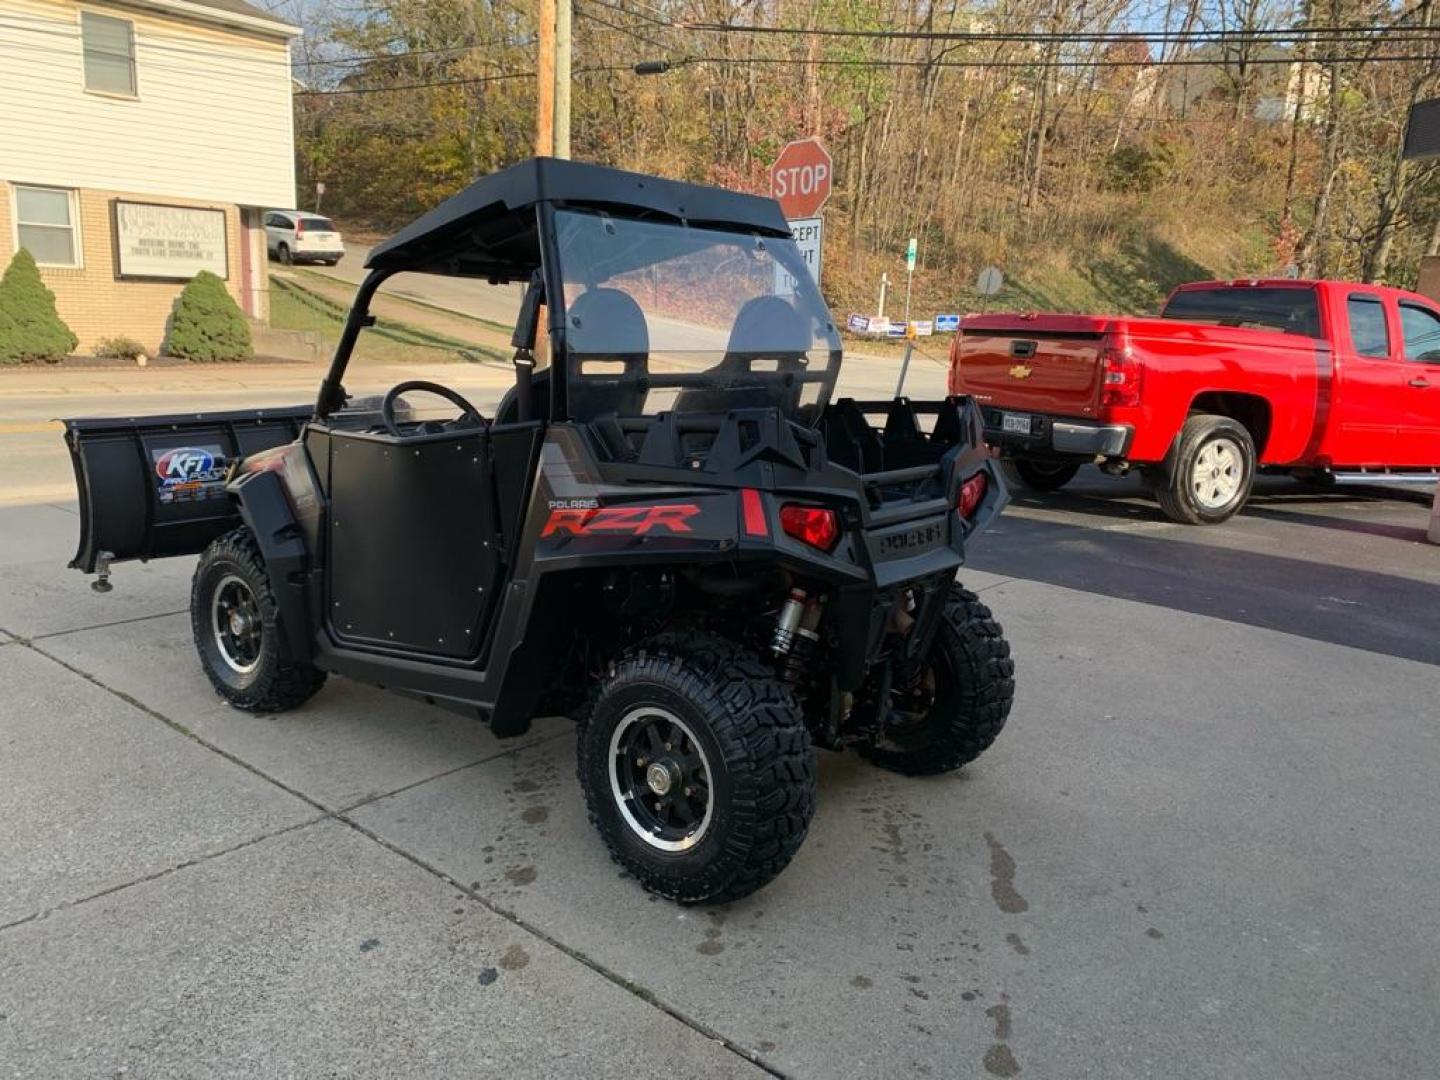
{"x": 1093, "y": 165}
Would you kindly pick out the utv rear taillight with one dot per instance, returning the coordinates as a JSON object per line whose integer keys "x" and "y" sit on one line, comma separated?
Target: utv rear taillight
{"x": 1120, "y": 377}
{"x": 752, "y": 513}
{"x": 813, "y": 525}
{"x": 972, "y": 494}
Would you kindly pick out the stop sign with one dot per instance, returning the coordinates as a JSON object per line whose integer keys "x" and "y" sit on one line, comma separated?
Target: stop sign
{"x": 800, "y": 178}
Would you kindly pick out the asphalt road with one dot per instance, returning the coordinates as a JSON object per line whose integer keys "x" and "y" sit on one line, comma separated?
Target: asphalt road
{"x": 498, "y": 303}
{"x": 1205, "y": 846}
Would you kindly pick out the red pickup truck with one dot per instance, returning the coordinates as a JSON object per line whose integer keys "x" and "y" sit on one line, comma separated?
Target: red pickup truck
{"x": 1310, "y": 377}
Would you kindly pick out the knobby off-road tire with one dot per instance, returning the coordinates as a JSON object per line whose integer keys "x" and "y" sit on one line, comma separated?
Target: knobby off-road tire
{"x": 681, "y": 701}
{"x": 242, "y": 655}
{"x": 1208, "y": 473}
{"x": 1023, "y": 473}
{"x": 972, "y": 685}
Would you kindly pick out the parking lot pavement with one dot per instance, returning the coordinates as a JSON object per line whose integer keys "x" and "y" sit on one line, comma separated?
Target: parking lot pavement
{"x": 1205, "y": 846}
{"x": 1349, "y": 567}
{"x": 95, "y": 794}
{"x": 319, "y": 953}
{"x": 348, "y": 745}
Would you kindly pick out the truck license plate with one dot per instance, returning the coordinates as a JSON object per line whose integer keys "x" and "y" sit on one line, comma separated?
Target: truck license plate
{"x": 1016, "y": 422}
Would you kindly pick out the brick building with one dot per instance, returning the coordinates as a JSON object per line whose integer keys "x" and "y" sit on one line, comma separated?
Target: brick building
{"x": 140, "y": 142}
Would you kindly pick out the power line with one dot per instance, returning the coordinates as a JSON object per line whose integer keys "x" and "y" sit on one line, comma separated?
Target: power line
{"x": 620, "y": 29}
{"x": 1037, "y": 62}
{"x": 651, "y": 19}
{"x": 1258, "y": 35}
{"x": 477, "y": 80}
{"x": 448, "y": 50}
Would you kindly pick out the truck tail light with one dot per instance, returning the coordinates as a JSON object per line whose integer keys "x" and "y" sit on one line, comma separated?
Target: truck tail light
{"x": 813, "y": 525}
{"x": 972, "y": 494}
{"x": 1119, "y": 376}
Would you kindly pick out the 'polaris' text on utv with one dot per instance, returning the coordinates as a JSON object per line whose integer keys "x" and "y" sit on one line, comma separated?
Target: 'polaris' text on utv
{"x": 671, "y": 533}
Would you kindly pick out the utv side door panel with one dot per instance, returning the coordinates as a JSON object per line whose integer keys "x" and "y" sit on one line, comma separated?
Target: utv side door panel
{"x": 156, "y": 487}
{"x": 413, "y": 537}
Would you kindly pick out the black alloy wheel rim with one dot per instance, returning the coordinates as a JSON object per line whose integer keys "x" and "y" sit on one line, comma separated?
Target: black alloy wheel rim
{"x": 236, "y": 623}
{"x": 660, "y": 779}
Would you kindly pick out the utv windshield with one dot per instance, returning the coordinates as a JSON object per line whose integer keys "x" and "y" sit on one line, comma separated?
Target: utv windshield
{"x": 662, "y": 317}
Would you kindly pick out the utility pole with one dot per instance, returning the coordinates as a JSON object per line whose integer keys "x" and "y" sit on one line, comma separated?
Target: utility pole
{"x": 563, "y": 13}
{"x": 545, "y": 79}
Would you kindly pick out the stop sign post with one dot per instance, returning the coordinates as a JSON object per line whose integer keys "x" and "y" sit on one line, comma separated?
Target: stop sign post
{"x": 800, "y": 178}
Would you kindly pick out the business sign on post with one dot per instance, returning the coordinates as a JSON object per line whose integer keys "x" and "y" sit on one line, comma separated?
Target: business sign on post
{"x": 947, "y": 324}
{"x": 911, "y": 250}
{"x": 168, "y": 243}
{"x": 809, "y": 234}
{"x": 858, "y": 324}
{"x": 800, "y": 178}
{"x": 923, "y": 327}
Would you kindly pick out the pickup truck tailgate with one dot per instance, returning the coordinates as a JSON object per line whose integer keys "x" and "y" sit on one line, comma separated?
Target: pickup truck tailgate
{"x": 1048, "y": 363}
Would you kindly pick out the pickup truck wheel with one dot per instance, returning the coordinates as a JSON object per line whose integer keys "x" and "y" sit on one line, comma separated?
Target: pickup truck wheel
{"x": 1208, "y": 472}
{"x": 1038, "y": 475}
{"x": 236, "y": 624}
{"x": 960, "y": 701}
{"x": 697, "y": 768}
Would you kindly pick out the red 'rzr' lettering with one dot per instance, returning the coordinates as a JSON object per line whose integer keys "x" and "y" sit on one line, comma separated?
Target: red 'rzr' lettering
{"x": 624, "y": 520}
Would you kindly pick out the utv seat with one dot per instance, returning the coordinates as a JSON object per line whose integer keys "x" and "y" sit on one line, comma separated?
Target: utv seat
{"x": 508, "y": 411}
{"x": 766, "y": 328}
{"x": 608, "y": 318}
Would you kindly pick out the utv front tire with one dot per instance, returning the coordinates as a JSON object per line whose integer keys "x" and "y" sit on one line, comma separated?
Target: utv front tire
{"x": 1038, "y": 475}
{"x": 1208, "y": 473}
{"x": 966, "y": 688}
{"x": 236, "y": 624}
{"x": 697, "y": 768}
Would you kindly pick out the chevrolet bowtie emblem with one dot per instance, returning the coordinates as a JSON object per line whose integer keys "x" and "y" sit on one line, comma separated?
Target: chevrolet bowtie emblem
{"x": 1020, "y": 371}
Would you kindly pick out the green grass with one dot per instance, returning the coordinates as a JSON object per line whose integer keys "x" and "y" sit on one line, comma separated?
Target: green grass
{"x": 293, "y": 307}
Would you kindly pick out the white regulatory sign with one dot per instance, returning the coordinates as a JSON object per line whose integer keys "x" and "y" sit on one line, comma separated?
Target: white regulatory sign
{"x": 809, "y": 236}
{"x": 170, "y": 243}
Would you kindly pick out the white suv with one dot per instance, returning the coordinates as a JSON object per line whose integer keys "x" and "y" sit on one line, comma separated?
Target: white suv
{"x": 294, "y": 236}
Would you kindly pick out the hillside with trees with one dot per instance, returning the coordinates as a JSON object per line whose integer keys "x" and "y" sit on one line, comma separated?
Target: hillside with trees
{"x": 1099, "y": 151}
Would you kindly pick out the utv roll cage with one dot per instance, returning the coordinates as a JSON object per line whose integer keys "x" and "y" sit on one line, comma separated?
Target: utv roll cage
{"x": 502, "y": 229}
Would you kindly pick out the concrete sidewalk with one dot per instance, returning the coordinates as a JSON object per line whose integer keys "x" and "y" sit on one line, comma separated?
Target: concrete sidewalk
{"x": 1202, "y": 848}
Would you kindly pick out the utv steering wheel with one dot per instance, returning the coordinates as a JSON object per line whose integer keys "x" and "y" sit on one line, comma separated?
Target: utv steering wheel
{"x": 387, "y": 407}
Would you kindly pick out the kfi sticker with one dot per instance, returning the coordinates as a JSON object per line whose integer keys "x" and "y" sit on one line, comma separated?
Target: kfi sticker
{"x": 189, "y": 473}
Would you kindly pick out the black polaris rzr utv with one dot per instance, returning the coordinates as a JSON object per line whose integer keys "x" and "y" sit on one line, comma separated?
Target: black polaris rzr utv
{"x": 671, "y": 532}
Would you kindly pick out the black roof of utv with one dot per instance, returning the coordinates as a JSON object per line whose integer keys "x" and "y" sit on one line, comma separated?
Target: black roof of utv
{"x": 489, "y": 229}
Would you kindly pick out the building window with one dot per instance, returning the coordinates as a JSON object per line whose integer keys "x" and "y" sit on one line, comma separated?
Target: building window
{"x": 45, "y": 225}
{"x": 109, "y": 54}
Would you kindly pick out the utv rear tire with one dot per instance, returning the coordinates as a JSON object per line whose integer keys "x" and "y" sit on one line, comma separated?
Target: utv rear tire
{"x": 973, "y": 689}
{"x": 236, "y": 624}
{"x": 1038, "y": 475}
{"x": 737, "y": 785}
{"x": 1208, "y": 473}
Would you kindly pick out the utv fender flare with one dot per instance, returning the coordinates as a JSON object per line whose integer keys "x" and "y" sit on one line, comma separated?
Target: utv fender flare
{"x": 265, "y": 510}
